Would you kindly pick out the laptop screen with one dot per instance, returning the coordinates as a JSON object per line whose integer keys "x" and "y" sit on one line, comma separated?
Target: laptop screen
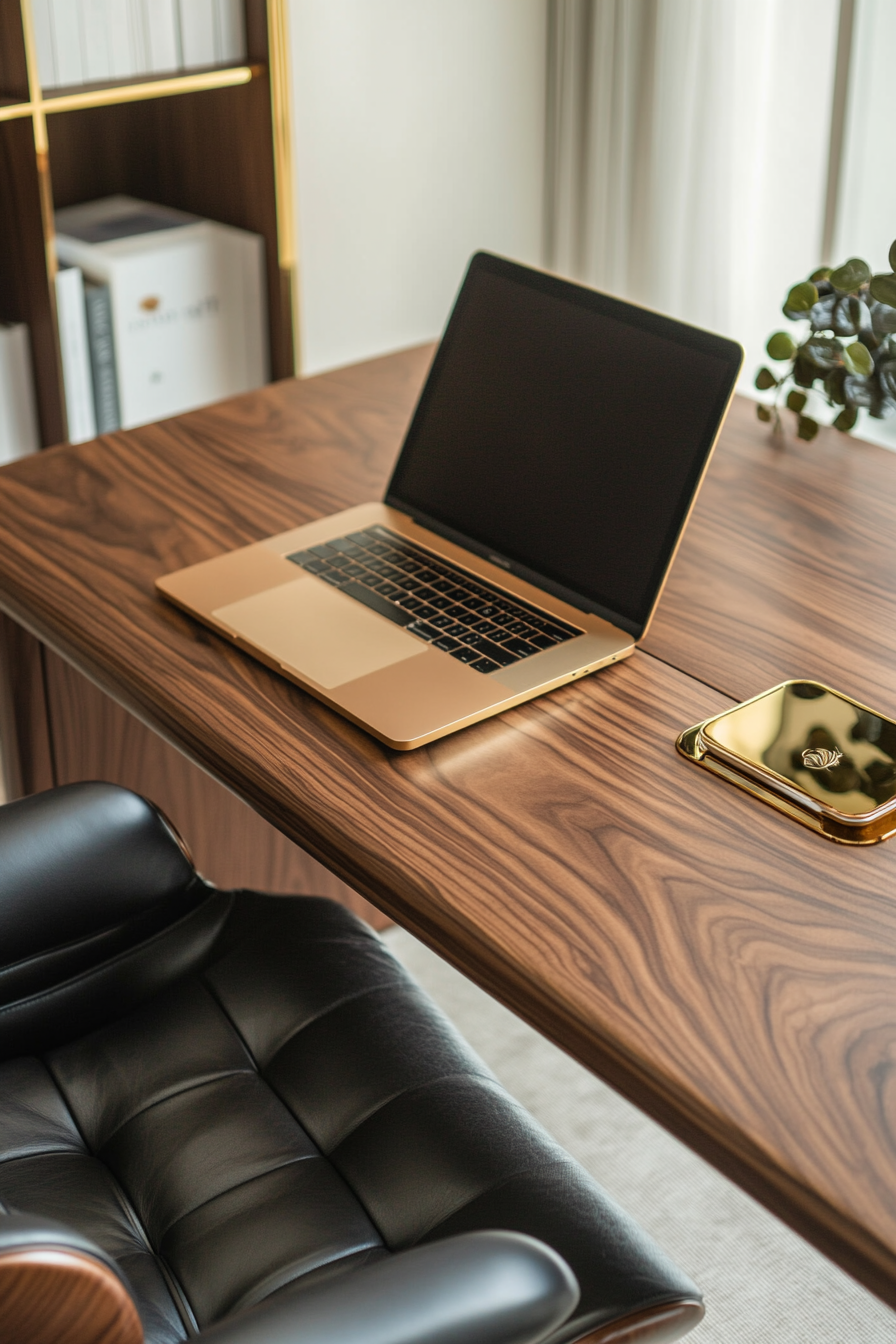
{"x": 563, "y": 433}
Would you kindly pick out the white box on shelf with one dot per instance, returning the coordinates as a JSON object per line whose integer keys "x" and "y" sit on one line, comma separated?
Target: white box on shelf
{"x": 75, "y": 351}
{"x": 197, "y": 33}
{"x": 18, "y": 408}
{"x": 187, "y": 301}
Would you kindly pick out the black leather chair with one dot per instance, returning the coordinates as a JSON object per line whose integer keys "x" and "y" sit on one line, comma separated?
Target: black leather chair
{"x": 236, "y": 1115}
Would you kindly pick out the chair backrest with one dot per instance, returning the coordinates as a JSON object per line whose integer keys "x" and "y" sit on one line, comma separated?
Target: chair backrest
{"x": 91, "y": 875}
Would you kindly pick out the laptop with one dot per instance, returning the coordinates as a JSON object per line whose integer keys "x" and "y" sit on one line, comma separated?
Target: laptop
{"x": 537, "y": 503}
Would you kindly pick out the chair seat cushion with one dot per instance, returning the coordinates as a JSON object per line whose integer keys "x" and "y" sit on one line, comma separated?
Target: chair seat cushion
{"x": 291, "y": 1108}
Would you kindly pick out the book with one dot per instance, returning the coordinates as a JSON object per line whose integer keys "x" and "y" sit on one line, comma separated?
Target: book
{"x": 121, "y": 20}
{"x": 197, "y": 33}
{"x": 74, "y": 347}
{"x": 18, "y": 408}
{"x": 89, "y": 41}
{"x": 103, "y": 368}
{"x": 66, "y": 28}
{"x": 186, "y": 298}
{"x": 43, "y": 40}
{"x": 162, "y": 36}
{"x": 136, "y": 23}
{"x": 95, "y": 51}
{"x": 230, "y": 32}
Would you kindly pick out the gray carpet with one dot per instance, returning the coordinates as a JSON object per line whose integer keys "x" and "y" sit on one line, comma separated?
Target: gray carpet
{"x": 763, "y": 1284}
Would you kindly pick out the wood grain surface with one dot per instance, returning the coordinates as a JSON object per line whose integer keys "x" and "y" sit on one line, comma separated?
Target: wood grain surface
{"x": 732, "y": 973}
{"x": 64, "y": 1297}
{"x": 787, "y": 568}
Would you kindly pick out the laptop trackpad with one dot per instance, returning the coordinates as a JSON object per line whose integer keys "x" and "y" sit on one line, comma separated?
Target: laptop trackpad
{"x": 319, "y": 632}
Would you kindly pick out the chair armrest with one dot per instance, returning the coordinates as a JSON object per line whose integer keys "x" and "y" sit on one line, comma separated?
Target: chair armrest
{"x": 78, "y": 860}
{"x": 51, "y": 1277}
{"x": 487, "y": 1287}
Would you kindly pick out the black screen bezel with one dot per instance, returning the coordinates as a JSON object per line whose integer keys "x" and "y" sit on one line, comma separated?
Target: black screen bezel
{"x": 695, "y": 338}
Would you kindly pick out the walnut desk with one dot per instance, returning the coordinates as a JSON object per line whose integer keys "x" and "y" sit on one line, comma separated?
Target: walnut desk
{"x": 729, "y": 971}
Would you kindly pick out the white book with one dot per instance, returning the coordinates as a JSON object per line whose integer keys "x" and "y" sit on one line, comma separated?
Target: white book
{"x": 120, "y": 26}
{"x": 18, "y": 409}
{"x": 66, "y": 23}
{"x": 75, "y": 350}
{"x": 197, "y": 33}
{"x": 43, "y": 41}
{"x": 230, "y": 31}
{"x": 187, "y": 301}
{"x": 136, "y": 22}
{"x": 95, "y": 48}
{"x": 161, "y": 35}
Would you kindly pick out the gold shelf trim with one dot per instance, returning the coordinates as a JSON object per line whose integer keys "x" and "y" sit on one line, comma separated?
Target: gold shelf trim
{"x": 15, "y": 111}
{"x": 134, "y": 93}
{"x": 284, "y": 180}
{"x": 153, "y": 88}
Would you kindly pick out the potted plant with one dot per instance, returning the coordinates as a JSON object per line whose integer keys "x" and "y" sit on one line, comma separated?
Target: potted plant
{"x": 848, "y": 348}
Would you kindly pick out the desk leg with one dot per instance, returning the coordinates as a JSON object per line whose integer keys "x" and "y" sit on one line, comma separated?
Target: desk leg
{"x": 24, "y": 723}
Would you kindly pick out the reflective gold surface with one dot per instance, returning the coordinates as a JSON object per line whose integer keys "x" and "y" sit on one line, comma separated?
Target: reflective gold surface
{"x": 810, "y": 751}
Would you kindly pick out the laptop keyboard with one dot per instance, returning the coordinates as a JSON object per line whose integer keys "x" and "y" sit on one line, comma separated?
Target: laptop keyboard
{"x": 440, "y": 603}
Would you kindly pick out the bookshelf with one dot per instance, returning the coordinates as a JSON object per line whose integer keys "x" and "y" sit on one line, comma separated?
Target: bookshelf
{"x": 215, "y": 142}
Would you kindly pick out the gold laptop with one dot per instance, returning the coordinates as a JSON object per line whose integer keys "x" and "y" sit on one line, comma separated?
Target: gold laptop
{"x": 542, "y": 489}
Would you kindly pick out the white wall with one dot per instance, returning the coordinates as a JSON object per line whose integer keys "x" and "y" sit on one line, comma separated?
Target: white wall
{"x": 419, "y": 137}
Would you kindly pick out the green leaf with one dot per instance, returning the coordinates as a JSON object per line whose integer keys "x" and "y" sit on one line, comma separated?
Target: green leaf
{"x": 883, "y": 288}
{"x": 763, "y": 413}
{"x": 886, "y": 376}
{"x": 801, "y": 298}
{"x": 806, "y": 428}
{"x": 833, "y": 385}
{"x": 765, "y": 379}
{"x": 883, "y": 407}
{"x": 780, "y": 345}
{"x": 883, "y": 318}
{"x": 851, "y": 275}
{"x": 850, "y": 316}
{"x": 823, "y": 273}
{"x": 857, "y": 359}
{"x": 823, "y": 351}
{"x": 846, "y": 419}
{"x": 858, "y": 391}
{"x": 804, "y": 373}
{"x": 821, "y": 314}
{"x": 892, "y": 257}
{"x": 796, "y": 401}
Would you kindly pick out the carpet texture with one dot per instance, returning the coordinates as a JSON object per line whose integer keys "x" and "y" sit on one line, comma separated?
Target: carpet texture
{"x": 763, "y": 1284}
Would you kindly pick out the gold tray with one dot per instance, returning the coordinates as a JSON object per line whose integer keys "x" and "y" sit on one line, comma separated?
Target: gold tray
{"x": 816, "y": 755}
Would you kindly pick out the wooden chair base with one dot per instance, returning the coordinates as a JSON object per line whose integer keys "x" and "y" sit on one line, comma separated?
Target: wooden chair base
{"x": 60, "y": 1297}
{"x": 659, "y": 1325}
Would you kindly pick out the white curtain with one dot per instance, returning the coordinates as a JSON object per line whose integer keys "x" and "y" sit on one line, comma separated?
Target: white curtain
{"x": 687, "y": 157}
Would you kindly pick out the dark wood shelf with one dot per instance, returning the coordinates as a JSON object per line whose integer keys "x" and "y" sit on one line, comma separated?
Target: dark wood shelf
{"x": 200, "y": 140}
{"x": 213, "y": 142}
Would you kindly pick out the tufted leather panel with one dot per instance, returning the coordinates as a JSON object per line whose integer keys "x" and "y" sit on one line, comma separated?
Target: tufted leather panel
{"x": 270, "y": 1101}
